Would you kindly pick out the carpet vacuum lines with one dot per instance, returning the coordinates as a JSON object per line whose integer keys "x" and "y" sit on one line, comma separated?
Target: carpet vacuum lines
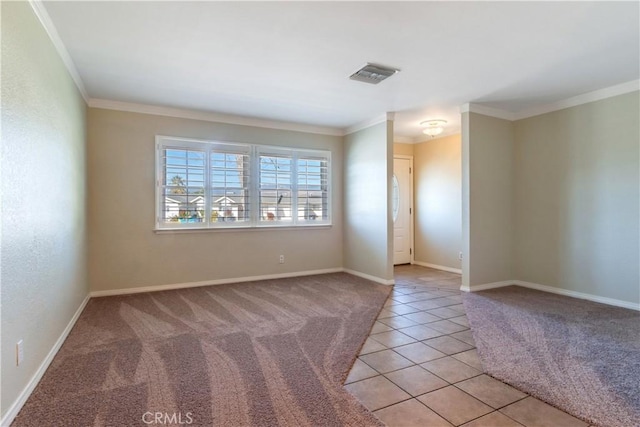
{"x": 265, "y": 353}
{"x": 579, "y": 356}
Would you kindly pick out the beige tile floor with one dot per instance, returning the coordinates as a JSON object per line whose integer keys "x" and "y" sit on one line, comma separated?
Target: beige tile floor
{"x": 419, "y": 366}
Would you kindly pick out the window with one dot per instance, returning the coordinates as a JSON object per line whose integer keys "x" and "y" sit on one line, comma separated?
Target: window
{"x": 209, "y": 184}
{"x": 313, "y": 193}
{"x": 395, "y": 198}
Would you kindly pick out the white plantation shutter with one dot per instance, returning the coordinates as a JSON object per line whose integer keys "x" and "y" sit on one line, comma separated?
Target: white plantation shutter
{"x": 313, "y": 187}
{"x": 276, "y": 171}
{"x": 230, "y": 169}
{"x": 209, "y": 184}
{"x": 182, "y": 185}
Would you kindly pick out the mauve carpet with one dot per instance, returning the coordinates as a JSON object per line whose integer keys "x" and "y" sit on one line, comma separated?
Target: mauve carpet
{"x": 580, "y": 356}
{"x": 268, "y": 353}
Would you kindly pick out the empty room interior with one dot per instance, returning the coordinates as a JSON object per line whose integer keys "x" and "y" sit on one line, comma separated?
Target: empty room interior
{"x": 320, "y": 213}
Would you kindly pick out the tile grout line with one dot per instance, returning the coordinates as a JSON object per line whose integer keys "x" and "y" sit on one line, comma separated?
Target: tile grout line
{"x": 392, "y": 303}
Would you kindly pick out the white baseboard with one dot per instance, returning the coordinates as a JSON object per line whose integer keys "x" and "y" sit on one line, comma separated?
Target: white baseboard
{"x": 142, "y": 289}
{"x": 35, "y": 379}
{"x": 137, "y": 290}
{"x": 486, "y": 286}
{"x": 438, "y": 267}
{"x": 553, "y": 290}
{"x": 580, "y": 295}
{"x": 370, "y": 277}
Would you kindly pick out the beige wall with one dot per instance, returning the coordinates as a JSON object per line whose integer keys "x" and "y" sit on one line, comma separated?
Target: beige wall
{"x": 368, "y": 235}
{"x": 437, "y": 199}
{"x": 43, "y": 197}
{"x": 554, "y": 200}
{"x": 403, "y": 149}
{"x": 124, "y": 251}
{"x": 577, "y": 196}
{"x": 487, "y": 199}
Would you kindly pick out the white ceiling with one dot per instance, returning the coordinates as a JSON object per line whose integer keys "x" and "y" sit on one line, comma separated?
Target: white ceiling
{"x": 290, "y": 61}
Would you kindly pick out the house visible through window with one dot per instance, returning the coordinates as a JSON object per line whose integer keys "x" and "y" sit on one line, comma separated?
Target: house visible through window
{"x": 209, "y": 184}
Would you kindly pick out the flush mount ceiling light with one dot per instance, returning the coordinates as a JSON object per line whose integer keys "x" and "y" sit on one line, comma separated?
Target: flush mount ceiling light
{"x": 372, "y": 73}
{"x": 433, "y": 127}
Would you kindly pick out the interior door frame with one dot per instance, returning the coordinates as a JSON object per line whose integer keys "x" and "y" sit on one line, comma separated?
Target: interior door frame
{"x": 411, "y": 207}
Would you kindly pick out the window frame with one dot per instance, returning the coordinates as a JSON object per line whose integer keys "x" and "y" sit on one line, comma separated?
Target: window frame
{"x": 254, "y": 153}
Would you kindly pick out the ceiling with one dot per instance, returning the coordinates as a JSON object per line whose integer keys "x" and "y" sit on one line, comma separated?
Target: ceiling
{"x": 290, "y": 61}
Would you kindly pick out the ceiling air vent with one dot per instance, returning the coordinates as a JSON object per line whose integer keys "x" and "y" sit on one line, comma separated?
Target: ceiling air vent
{"x": 372, "y": 73}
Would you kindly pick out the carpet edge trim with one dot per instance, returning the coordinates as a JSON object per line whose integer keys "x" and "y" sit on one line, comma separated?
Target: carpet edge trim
{"x": 17, "y": 405}
{"x": 375, "y": 319}
{"x": 171, "y": 286}
{"x": 537, "y": 395}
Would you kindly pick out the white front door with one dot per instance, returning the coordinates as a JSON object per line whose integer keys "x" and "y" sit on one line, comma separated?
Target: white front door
{"x": 401, "y": 209}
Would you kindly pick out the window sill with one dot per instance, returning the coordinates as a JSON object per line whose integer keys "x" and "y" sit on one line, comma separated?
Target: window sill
{"x": 241, "y": 229}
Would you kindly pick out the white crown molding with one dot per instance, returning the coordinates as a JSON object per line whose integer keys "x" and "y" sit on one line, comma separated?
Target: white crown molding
{"x": 368, "y": 123}
{"x": 585, "y": 98}
{"x": 211, "y": 117}
{"x": 486, "y": 111}
{"x": 42, "y": 14}
{"x": 17, "y": 405}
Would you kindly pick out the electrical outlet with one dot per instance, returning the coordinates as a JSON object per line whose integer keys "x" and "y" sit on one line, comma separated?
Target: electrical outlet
{"x": 19, "y": 353}
{"x": 281, "y": 259}
{"x": 460, "y": 256}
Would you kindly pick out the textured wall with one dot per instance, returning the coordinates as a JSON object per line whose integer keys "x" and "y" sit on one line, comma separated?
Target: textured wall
{"x": 577, "y": 196}
{"x": 438, "y": 212}
{"x": 368, "y": 239}
{"x": 43, "y": 196}
{"x": 124, "y": 251}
